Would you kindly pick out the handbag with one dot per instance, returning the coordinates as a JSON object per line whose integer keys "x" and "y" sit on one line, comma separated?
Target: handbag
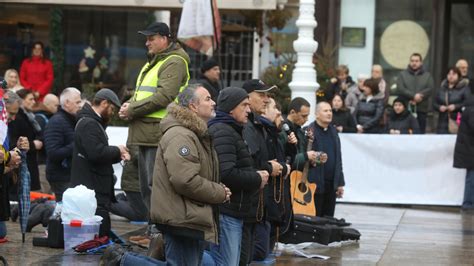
{"x": 453, "y": 127}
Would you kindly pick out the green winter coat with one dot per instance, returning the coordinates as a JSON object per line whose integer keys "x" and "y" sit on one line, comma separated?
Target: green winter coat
{"x": 411, "y": 82}
{"x": 186, "y": 190}
{"x": 144, "y": 131}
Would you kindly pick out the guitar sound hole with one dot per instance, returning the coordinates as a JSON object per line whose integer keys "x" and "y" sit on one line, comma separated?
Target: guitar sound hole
{"x": 302, "y": 187}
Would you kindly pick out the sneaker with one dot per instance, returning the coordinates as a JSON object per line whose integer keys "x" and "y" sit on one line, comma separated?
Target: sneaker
{"x": 144, "y": 243}
{"x": 156, "y": 248}
{"x": 112, "y": 255}
{"x": 136, "y": 239}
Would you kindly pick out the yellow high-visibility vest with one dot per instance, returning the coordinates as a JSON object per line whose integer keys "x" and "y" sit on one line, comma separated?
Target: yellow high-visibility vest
{"x": 149, "y": 84}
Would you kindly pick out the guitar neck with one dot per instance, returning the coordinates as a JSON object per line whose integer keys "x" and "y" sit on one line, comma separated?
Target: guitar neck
{"x": 306, "y": 165}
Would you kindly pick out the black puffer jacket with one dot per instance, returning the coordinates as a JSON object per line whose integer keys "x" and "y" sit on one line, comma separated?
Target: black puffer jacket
{"x": 405, "y": 122}
{"x": 59, "y": 145}
{"x": 93, "y": 157}
{"x": 235, "y": 165}
{"x": 456, "y": 96}
{"x": 464, "y": 149}
{"x": 369, "y": 113}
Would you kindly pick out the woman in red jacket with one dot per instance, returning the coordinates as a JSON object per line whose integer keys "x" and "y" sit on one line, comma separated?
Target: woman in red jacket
{"x": 36, "y": 72}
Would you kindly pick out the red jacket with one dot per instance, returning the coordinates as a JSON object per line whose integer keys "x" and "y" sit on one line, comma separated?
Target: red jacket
{"x": 36, "y": 74}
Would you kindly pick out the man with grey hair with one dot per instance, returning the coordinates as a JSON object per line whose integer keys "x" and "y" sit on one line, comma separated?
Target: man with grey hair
{"x": 186, "y": 188}
{"x": 59, "y": 141}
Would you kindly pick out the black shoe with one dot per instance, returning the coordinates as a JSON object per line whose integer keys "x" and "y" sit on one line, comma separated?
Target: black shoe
{"x": 112, "y": 255}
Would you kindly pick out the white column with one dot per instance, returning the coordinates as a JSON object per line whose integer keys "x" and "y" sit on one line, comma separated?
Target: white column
{"x": 256, "y": 55}
{"x": 163, "y": 16}
{"x": 304, "y": 82}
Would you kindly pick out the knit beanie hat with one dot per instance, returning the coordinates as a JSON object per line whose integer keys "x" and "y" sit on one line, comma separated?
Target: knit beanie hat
{"x": 229, "y": 98}
{"x": 402, "y": 101}
{"x": 208, "y": 65}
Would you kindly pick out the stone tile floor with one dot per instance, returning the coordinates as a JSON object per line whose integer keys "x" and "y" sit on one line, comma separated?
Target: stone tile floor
{"x": 390, "y": 236}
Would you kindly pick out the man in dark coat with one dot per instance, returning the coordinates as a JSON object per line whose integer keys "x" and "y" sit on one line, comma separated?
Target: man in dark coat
{"x": 464, "y": 152}
{"x": 329, "y": 178}
{"x": 254, "y": 135}
{"x": 236, "y": 172}
{"x": 416, "y": 84}
{"x": 59, "y": 141}
{"x": 93, "y": 157}
{"x": 210, "y": 77}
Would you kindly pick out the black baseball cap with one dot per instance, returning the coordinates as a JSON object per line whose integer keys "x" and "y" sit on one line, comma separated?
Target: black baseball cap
{"x": 156, "y": 28}
{"x": 257, "y": 85}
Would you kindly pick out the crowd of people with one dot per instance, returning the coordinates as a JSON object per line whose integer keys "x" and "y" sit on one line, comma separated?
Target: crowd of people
{"x": 209, "y": 168}
{"x": 367, "y": 99}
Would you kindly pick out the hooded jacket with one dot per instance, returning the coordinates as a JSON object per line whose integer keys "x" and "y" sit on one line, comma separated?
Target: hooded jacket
{"x": 235, "y": 166}
{"x": 92, "y": 157}
{"x": 144, "y": 131}
{"x": 411, "y": 82}
{"x": 187, "y": 185}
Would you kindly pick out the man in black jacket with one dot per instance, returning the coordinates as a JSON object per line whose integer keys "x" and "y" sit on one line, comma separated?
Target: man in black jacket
{"x": 210, "y": 77}
{"x": 255, "y": 136}
{"x": 59, "y": 141}
{"x": 236, "y": 172}
{"x": 93, "y": 157}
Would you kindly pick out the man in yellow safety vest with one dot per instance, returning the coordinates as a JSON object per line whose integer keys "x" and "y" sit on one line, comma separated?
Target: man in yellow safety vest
{"x": 160, "y": 80}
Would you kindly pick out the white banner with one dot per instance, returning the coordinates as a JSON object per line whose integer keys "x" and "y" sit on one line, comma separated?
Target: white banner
{"x": 394, "y": 169}
{"x": 401, "y": 169}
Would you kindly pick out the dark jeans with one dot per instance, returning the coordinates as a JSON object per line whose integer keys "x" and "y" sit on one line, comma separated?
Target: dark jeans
{"x": 468, "y": 202}
{"x": 228, "y": 250}
{"x": 262, "y": 247}
{"x": 179, "y": 251}
{"x": 325, "y": 202}
{"x": 146, "y": 162}
{"x": 421, "y": 117}
{"x": 3, "y": 229}
{"x": 58, "y": 188}
{"x": 130, "y": 206}
{"x": 247, "y": 244}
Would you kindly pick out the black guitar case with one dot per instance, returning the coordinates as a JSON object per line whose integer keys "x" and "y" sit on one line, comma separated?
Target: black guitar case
{"x": 319, "y": 230}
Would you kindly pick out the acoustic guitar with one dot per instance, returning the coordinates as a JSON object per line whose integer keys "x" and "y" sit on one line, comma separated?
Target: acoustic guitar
{"x": 302, "y": 191}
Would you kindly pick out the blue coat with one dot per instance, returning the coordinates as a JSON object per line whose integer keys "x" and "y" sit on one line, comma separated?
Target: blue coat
{"x": 59, "y": 144}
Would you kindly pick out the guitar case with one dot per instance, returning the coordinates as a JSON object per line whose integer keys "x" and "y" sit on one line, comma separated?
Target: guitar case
{"x": 319, "y": 230}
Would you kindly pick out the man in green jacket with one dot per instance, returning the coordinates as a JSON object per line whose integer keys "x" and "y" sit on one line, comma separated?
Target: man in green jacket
{"x": 416, "y": 85}
{"x": 188, "y": 182}
{"x": 159, "y": 82}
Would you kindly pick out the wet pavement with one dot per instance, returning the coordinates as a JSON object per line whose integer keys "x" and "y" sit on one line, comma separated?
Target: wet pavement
{"x": 390, "y": 236}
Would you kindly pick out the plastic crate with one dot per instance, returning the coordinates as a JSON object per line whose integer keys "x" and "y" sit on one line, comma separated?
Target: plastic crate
{"x": 76, "y": 233}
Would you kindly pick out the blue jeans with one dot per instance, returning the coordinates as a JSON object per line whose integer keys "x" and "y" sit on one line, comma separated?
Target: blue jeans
{"x": 228, "y": 250}
{"x": 131, "y": 258}
{"x": 178, "y": 251}
{"x": 3, "y": 229}
{"x": 468, "y": 202}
